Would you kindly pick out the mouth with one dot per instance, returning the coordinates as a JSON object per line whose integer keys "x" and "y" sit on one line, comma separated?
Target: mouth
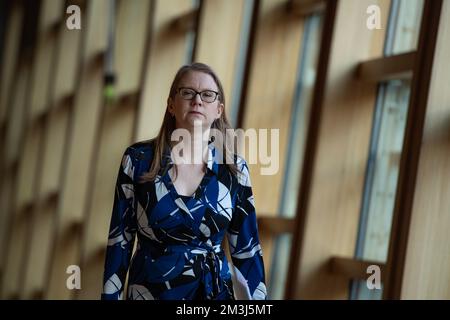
{"x": 195, "y": 112}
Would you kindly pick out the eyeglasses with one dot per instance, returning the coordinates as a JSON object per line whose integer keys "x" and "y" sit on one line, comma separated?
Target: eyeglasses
{"x": 206, "y": 95}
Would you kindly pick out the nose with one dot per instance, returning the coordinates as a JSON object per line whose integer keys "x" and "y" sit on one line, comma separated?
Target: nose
{"x": 196, "y": 99}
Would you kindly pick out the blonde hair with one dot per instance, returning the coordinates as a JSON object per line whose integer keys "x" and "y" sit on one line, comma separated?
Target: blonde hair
{"x": 162, "y": 142}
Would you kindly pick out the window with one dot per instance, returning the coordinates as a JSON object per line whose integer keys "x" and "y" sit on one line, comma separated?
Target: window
{"x": 240, "y": 61}
{"x": 306, "y": 75}
{"x": 386, "y": 146}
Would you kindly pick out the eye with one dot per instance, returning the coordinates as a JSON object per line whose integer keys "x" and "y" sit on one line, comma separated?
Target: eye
{"x": 208, "y": 94}
{"x": 186, "y": 93}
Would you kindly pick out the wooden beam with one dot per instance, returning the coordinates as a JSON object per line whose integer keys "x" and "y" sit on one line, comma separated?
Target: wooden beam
{"x": 72, "y": 230}
{"x": 305, "y": 7}
{"x": 392, "y": 67}
{"x": 410, "y": 204}
{"x": 353, "y": 268}
{"x": 186, "y": 21}
{"x": 54, "y": 27}
{"x": 66, "y": 100}
{"x": 51, "y": 197}
{"x": 37, "y": 295}
{"x": 311, "y": 146}
{"x": 23, "y": 213}
{"x": 275, "y": 225}
{"x": 129, "y": 98}
{"x": 96, "y": 60}
{"x": 96, "y": 255}
{"x": 3, "y": 129}
{"x": 341, "y": 117}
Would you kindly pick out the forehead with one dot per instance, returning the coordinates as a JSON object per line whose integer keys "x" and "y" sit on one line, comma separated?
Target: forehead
{"x": 198, "y": 80}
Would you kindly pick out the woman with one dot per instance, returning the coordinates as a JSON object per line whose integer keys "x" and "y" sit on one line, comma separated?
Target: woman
{"x": 181, "y": 210}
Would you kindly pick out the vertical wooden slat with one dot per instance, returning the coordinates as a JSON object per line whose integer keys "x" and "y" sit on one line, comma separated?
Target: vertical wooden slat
{"x": 22, "y": 210}
{"x": 67, "y": 61}
{"x": 51, "y": 13}
{"x": 419, "y": 222}
{"x": 219, "y": 42}
{"x": 336, "y": 152}
{"x": 61, "y": 86}
{"x": 6, "y": 195}
{"x": 10, "y": 55}
{"x": 14, "y": 143}
{"x": 78, "y": 161}
{"x": 132, "y": 21}
{"x": 39, "y": 248}
{"x": 270, "y": 94}
{"x": 42, "y": 66}
{"x": 114, "y": 135}
{"x": 16, "y": 120}
{"x": 167, "y": 54}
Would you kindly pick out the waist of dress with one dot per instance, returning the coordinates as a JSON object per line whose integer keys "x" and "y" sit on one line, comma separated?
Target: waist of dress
{"x": 195, "y": 249}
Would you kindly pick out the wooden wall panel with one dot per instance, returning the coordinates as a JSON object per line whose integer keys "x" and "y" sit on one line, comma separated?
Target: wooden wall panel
{"x": 42, "y": 65}
{"x": 219, "y": 41}
{"x": 6, "y": 196}
{"x": 167, "y": 53}
{"x": 39, "y": 250}
{"x": 16, "y": 120}
{"x": 116, "y": 135}
{"x": 54, "y": 146}
{"x": 80, "y": 151}
{"x": 44, "y": 218}
{"x": 67, "y": 63}
{"x": 270, "y": 97}
{"x": 22, "y": 212}
{"x": 427, "y": 265}
{"x": 50, "y": 13}
{"x": 271, "y": 89}
{"x": 29, "y": 159}
{"x": 132, "y": 22}
{"x": 14, "y": 259}
{"x": 10, "y": 55}
{"x": 94, "y": 34}
{"x": 81, "y": 145}
{"x": 64, "y": 254}
{"x": 337, "y": 180}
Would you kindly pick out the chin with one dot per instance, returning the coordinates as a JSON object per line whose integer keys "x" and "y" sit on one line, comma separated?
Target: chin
{"x": 194, "y": 122}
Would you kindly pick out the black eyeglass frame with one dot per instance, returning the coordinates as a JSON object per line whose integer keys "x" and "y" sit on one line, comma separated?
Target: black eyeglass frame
{"x": 199, "y": 93}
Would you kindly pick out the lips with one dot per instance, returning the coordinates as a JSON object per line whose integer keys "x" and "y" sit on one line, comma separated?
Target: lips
{"x": 195, "y": 112}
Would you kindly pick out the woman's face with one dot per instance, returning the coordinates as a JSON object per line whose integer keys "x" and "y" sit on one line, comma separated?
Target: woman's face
{"x": 191, "y": 112}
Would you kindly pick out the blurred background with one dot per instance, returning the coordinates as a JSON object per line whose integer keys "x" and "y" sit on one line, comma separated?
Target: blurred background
{"x": 359, "y": 89}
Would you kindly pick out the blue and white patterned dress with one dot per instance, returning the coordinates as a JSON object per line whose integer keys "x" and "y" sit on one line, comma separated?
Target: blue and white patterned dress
{"x": 179, "y": 254}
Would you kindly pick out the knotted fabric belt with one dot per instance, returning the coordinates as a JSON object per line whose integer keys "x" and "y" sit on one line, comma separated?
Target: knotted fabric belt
{"x": 211, "y": 262}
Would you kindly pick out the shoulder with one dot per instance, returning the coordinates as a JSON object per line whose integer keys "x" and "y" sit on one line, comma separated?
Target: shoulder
{"x": 243, "y": 170}
{"x": 239, "y": 160}
{"x": 141, "y": 150}
{"x": 137, "y": 158}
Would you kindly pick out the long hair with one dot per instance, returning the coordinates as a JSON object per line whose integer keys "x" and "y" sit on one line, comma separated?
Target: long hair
{"x": 162, "y": 142}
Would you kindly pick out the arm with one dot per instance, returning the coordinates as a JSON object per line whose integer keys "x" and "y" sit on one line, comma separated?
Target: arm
{"x": 243, "y": 239}
{"x": 122, "y": 232}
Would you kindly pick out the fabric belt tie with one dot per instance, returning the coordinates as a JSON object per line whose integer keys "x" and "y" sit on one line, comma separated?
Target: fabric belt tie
{"x": 210, "y": 276}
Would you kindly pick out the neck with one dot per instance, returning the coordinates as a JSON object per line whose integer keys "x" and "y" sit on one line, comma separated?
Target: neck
{"x": 192, "y": 149}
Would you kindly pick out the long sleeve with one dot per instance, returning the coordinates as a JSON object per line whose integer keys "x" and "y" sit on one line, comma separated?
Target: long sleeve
{"x": 243, "y": 239}
{"x": 122, "y": 232}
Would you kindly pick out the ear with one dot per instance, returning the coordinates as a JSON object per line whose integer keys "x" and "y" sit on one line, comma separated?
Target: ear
{"x": 220, "y": 108}
{"x": 170, "y": 105}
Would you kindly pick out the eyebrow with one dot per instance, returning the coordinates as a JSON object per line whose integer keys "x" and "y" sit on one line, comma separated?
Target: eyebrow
{"x": 188, "y": 87}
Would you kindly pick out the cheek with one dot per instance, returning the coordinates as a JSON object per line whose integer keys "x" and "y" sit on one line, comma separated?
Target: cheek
{"x": 213, "y": 113}
{"x": 180, "y": 107}
{"x": 214, "y": 110}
